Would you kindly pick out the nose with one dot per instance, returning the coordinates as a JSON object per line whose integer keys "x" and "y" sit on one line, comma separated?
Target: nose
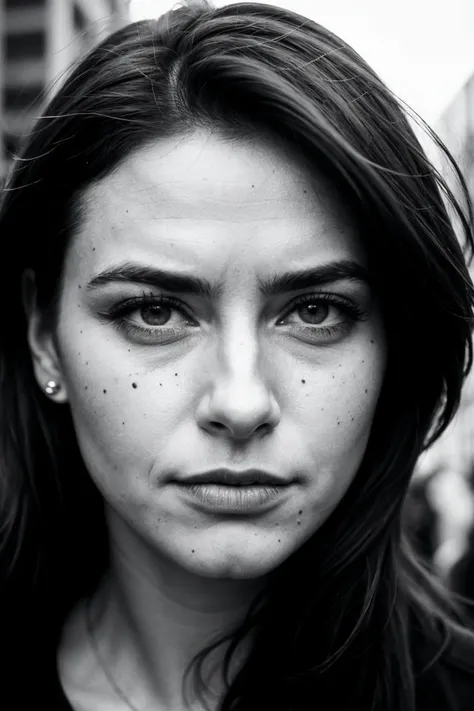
{"x": 239, "y": 402}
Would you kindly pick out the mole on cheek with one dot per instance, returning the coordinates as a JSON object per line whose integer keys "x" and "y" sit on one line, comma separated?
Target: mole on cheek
{"x": 134, "y": 385}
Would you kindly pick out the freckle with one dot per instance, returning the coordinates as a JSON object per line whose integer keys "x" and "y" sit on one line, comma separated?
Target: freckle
{"x": 176, "y": 373}
{"x": 85, "y": 387}
{"x": 300, "y": 512}
{"x": 123, "y": 423}
{"x": 299, "y": 523}
{"x": 93, "y": 249}
{"x": 279, "y": 540}
{"x": 134, "y": 385}
{"x": 161, "y": 385}
{"x": 192, "y": 550}
{"x": 352, "y": 419}
{"x": 105, "y": 391}
{"x": 366, "y": 392}
{"x": 371, "y": 341}
{"x": 87, "y": 362}
{"x": 303, "y": 381}
{"x": 253, "y": 186}
{"x": 304, "y": 191}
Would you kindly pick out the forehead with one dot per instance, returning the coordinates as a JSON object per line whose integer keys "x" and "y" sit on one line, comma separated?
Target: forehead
{"x": 199, "y": 200}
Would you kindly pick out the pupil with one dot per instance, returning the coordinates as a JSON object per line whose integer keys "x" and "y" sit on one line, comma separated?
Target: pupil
{"x": 317, "y": 312}
{"x": 153, "y": 315}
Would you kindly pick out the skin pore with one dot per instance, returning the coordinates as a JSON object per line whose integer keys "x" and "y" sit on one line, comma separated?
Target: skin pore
{"x": 239, "y": 379}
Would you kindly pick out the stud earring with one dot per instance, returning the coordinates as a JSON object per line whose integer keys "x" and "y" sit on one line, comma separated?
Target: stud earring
{"x": 52, "y": 388}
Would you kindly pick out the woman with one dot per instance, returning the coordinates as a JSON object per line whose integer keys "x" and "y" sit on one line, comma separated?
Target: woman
{"x": 237, "y": 312}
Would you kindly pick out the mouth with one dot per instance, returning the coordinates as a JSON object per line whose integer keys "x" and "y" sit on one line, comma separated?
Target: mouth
{"x": 229, "y": 477}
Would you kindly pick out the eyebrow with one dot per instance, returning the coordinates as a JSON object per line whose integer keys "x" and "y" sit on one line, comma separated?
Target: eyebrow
{"x": 131, "y": 272}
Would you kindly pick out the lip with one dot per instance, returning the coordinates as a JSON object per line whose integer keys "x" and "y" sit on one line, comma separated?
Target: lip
{"x": 225, "y": 499}
{"x": 230, "y": 477}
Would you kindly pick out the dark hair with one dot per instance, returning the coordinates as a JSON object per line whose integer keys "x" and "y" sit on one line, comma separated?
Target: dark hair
{"x": 336, "y": 618}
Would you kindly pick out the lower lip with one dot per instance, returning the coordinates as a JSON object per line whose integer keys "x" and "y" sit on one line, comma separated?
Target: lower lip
{"x": 234, "y": 499}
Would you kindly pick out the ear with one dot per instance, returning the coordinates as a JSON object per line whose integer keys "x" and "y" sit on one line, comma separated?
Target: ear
{"x": 41, "y": 341}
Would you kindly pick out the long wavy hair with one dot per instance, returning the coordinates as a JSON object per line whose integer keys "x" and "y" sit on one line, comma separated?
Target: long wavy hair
{"x": 336, "y": 620}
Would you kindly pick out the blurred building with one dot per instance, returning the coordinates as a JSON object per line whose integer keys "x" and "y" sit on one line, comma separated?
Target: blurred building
{"x": 449, "y": 463}
{"x": 39, "y": 39}
{"x": 456, "y": 128}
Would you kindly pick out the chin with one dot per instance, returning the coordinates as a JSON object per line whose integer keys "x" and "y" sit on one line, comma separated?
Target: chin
{"x": 236, "y": 566}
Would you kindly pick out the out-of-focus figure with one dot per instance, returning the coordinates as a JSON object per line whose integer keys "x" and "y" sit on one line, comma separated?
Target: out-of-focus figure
{"x": 421, "y": 518}
{"x": 462, "y": 574}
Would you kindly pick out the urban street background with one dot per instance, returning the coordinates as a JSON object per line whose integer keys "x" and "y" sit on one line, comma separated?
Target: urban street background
{"x": 423, "y": 51}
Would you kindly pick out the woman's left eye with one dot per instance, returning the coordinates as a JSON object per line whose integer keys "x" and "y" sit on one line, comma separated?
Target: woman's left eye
{"x": 315, "y": 310}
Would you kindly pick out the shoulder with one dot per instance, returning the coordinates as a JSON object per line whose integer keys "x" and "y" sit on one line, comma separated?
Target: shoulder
{"x": 445, "y": 680}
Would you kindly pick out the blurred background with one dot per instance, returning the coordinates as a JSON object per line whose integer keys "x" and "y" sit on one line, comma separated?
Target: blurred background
{"x": 424, "y": 51}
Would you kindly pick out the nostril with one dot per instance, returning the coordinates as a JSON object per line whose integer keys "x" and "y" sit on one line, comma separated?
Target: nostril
{"x": 218, "y": 425}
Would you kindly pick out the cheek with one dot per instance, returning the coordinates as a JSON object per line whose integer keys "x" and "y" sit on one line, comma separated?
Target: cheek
{"x": 340, "y": 401}
{"x": 337, "y": 414}
{"x": 121, "y": 422}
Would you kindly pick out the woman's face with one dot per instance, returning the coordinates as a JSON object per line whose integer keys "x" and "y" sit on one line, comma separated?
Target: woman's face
{"x": 239, "y": 375}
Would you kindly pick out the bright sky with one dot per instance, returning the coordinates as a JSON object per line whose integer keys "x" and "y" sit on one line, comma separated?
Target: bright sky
{"x": 423, "y": 50}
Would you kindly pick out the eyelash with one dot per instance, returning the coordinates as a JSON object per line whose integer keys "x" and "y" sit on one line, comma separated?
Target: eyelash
{"x": 116, "y": 314}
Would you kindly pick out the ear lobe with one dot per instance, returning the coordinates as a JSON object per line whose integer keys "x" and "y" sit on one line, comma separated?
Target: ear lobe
{"x": 41, "y": 340}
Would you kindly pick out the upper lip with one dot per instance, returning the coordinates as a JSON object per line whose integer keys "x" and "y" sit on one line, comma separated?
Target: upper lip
{"x": 235, "y": 478}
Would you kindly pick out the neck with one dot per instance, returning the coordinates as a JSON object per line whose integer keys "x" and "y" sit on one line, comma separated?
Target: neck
{"x": 150, "y": 617}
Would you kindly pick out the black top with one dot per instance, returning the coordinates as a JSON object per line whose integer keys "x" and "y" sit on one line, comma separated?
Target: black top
{"x": 447, "y": 685}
